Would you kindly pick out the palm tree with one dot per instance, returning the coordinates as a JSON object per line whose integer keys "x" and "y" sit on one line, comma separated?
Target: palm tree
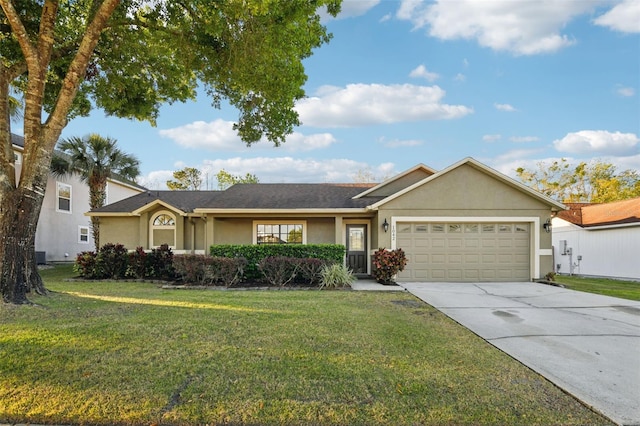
{"x": 95, "y": 159}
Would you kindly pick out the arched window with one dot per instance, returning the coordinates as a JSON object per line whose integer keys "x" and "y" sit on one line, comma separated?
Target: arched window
{"x": 163, "y": 230}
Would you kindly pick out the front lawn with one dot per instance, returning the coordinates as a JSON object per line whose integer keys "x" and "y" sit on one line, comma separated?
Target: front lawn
{"x": 132, "y": 353}
{"x": 608, "y": 287}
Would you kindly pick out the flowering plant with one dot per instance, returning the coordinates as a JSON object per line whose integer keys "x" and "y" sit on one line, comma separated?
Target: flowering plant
{"x": 387, "y": 263}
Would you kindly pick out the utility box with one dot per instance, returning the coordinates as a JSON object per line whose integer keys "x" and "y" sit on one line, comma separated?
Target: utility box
{"x": 562, "y": 247}
{"x": 41, "y": 258}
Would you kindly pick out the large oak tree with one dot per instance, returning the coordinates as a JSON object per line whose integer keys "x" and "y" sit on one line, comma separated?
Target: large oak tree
{"x": 128, "y": 57}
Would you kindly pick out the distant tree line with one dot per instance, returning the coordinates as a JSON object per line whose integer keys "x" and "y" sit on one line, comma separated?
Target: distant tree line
{"x": 594, "y": 182}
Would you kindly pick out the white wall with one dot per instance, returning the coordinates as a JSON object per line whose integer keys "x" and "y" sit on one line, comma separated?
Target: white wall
{"x": 606, "y": 252}
{"x": 57, "y": 233}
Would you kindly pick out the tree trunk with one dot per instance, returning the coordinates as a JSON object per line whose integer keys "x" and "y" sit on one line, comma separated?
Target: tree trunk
{"x": 18, "y": 219}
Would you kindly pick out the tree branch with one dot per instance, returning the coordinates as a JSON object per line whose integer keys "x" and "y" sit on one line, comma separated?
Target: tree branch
{"x": 76, "y": 73}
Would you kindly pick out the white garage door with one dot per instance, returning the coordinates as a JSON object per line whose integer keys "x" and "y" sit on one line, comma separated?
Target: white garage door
{"x": 465, "y": 251}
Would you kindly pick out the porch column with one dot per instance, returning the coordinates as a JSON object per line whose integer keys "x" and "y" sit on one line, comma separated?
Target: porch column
{"x": 339, "y": 233}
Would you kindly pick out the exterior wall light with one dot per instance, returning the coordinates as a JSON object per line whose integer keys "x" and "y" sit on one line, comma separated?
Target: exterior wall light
{"x": 385, "y": 225}
{"x": 547, "y": 226}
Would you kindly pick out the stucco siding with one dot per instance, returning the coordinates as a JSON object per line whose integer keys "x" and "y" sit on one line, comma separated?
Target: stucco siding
{"x": 468, "y": 189}
{"x": 122, "y": 230}
{"x": 233, "y": 231}
{"x": 321, "y": 231}
{"x": 57, "y": 233}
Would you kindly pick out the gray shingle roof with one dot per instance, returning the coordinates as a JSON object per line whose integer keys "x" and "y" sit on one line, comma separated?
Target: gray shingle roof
{"x": 259, "y": 196}
{"x": 183, "y": 200}
{"x": 290, "y": 196}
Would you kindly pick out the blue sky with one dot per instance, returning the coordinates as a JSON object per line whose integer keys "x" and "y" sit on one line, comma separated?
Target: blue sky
{"x": 509, "y": 83}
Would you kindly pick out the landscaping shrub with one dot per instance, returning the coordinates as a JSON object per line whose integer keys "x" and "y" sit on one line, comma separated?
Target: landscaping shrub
{"x": 85, "y": 265}
{"x": 225, "y": 270}
{"x": 310, "y": 270}
{"x": 387, "y": 263}
{"x": 138, "y": 263}
{"x": 112, "y": 261}
{"x": 192, "y": 268}
{"x": 278, "y": 270}
{"x": 161, "y": 263}
{"x": 254, "y": 253}
{"x": 336, "y": 275}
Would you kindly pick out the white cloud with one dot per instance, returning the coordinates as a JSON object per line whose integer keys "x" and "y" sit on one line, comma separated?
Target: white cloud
{"x": 156, "y": 179}
{"x": 398, "y": 143}
{"x": 508, "y": 162}
{"x": 422, "y": 72}
{"x": 626, "y": 92}
{"x": 370, "y": 104}
{"x": 460, "y": 77}
{"x": 218, "y": 135}
{"x": 504, "y": 107}
{"x": 599, "y": 141}
{"x": 491, "y": 138}
{"x": 623, "y": 17}
{"x": 291, "y": 170}
{"x": 276, "y": 170}
{"x": 525, "y": 27}
{"x": 524, "y": 139}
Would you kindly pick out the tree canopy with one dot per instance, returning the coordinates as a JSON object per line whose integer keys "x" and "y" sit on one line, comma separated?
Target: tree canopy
{"x": 226, "y": 179}
{"x": 95, "y": 159}
{"x": 187, "y": 179}
{"x": 129, "y": 57}
{"x": 596, "y": 182}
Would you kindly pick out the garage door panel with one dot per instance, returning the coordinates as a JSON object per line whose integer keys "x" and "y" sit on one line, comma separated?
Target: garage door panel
{"x": 472, "y": 274}
{"x": 454, "y": 243}
{"x": 438, "y": 274}
{"x": 472, "y": 243}
{"x": 466, "y": 251}
{"x": 438, "y": 243}
{"x": 472, "y": 259}
{"x": 454, "y": 274}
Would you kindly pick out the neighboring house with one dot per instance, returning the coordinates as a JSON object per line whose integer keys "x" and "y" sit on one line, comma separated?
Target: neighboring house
{"x": 464, "y": 223}
{"x": 600, "y": 240}
{"x": 63, "y": 228}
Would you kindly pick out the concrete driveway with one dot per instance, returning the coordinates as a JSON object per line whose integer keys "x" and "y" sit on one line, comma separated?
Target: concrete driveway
{"x": 587, "y": 344}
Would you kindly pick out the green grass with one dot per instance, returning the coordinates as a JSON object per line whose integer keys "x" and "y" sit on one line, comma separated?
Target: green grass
{"x": 616, "y": 288}
{"x": 132, "y": 353}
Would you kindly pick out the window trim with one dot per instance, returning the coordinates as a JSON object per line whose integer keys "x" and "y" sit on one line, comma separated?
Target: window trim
{"x": 153, "y": 227}
{"x": 58, "y": 209}
{"x": 303, "y": 223}
{"x": 80, "y": 229}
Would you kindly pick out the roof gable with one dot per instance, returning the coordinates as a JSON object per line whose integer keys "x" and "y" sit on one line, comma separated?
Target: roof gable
{"x": 399, "y": 182}
{"x": 470, "y": 162}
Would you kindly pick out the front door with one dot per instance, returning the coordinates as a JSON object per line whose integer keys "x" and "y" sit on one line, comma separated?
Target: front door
{"x": 357, "y": 248}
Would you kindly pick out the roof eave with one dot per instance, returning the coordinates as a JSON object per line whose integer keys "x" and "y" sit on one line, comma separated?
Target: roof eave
{"x": 280, "y": 211}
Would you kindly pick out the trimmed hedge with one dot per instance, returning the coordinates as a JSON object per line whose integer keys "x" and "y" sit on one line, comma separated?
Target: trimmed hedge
{"x": 332, "y": 253}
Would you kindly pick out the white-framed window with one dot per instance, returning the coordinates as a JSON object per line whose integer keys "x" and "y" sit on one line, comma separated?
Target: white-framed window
{"x": 63, "y": 197}
{"x": 163, "y": 229}
{"x": 83, "y": 234}
{"x": 280, "y": 232}
{"x": 17, "y": 157}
